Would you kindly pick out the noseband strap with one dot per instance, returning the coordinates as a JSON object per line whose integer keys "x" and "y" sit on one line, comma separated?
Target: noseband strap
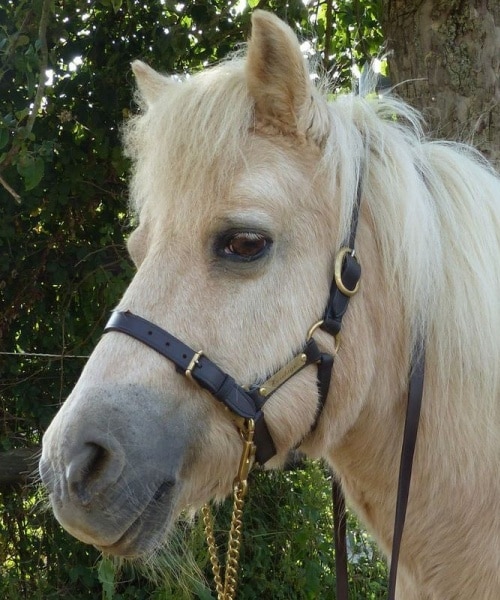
{"x": 196, "y": 366}
{"x": 242, "y": 404}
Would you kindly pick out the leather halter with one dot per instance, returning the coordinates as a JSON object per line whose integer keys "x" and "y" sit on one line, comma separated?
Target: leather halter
{"x": 246, "y": 404}
{"x": 242, "y": 404}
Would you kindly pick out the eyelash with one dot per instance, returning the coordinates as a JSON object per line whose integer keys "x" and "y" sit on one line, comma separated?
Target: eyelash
{"x": 243, "y": 246}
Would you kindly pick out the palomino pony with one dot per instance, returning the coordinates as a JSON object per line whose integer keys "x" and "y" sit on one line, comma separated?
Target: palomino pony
{"x": 245, "y": 182}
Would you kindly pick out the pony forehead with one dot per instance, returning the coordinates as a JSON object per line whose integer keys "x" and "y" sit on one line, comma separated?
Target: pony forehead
{"x": 190, "y": 138}
{"x": 196, "y": 114}
{"x": 190, "y": 142}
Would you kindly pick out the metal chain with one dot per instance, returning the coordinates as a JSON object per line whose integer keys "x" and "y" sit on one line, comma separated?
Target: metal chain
{"x": 227, "y": 590}
{"x": 212, "y": 550}
{"x": 234, "y": 542}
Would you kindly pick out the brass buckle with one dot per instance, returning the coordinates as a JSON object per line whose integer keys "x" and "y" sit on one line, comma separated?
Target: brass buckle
{"x": 339, "y": 261}
{"x": 193, "y": 362}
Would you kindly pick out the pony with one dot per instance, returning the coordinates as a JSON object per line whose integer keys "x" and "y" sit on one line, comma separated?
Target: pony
{"x": 245, "y": 177}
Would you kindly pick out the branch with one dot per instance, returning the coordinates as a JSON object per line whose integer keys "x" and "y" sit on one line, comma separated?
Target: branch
{"x": 11, "y": 191}
{"x": 44, "y": 63}
{"x": 17, "y": 467}
{"x": 328, "y": 35}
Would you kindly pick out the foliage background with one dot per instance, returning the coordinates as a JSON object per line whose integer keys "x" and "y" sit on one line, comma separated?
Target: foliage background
{"x": 65, "y": 87}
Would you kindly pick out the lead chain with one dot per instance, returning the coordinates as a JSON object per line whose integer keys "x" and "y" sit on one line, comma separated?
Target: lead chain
{"x": 212, "y": 550}
{"x": 234, "y": 542}
{"x": 227, "y": 590}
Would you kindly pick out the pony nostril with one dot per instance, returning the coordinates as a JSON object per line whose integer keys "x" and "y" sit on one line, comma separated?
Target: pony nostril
{"x": 92, "y": 469}
{"x": 99, "y": 458}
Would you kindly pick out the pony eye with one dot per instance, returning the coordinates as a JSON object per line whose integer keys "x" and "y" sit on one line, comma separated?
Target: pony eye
{"x": 245, "y": 246}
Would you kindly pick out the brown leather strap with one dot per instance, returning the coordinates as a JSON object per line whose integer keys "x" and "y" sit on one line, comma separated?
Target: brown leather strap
{"x": 339, "y": 536}
{"x": 415, "y": 393}
{"x": 246, "y": 403}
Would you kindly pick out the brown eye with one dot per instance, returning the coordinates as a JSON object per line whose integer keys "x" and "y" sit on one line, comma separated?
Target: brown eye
{"x": 244, "y": 246}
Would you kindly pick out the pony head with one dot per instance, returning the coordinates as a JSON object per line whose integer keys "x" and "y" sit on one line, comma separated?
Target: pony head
{"x": 229, "y": 195}
{"x": 244, "y": 182}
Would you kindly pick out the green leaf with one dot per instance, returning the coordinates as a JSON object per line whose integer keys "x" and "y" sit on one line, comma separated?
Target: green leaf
{"x": 106, "y": 575}
{"x": 31, "y": 168}
{"x": 22, "y": 40}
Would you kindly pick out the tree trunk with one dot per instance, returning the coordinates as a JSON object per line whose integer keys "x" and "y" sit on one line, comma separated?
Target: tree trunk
{"x": 445, "y": 61}
{"x": 17, "y": 467}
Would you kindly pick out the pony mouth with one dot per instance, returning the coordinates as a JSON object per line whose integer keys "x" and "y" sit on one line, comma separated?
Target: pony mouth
{"x": 148, "y": 530}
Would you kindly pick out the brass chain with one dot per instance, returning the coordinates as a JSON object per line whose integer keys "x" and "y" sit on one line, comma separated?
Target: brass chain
{"x": 233, "y": 545}
{"x": 212, "y": 550}
{"x": 227, "y": 590}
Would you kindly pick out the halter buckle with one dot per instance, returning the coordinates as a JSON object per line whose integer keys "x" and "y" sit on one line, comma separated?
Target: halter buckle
{"x": 339, "y": 262}
{"x": 192, "y": 364}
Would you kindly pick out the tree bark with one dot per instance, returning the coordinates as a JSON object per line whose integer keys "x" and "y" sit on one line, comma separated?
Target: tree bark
{"x": 17, "y": 467}
{"x": 445, "y": 61}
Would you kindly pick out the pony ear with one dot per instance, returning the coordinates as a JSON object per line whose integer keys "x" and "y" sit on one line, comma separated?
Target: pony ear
{"x": 149, "y": 81}
{"x": 277, "y": 75}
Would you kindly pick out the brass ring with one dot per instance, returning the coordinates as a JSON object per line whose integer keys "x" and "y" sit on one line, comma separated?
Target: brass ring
{"x": 313, "y": 328}
{"x": 339, "y": 261}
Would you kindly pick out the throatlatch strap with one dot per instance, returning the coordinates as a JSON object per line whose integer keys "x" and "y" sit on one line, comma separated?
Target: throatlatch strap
{"x": 332, "y": 322}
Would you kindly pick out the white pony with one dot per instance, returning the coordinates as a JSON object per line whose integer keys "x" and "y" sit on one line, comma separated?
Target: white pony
{"x": 244, "y": 183}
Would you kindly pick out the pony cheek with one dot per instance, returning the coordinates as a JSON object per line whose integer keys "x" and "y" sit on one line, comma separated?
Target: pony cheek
{"x": 291, "y": 414}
